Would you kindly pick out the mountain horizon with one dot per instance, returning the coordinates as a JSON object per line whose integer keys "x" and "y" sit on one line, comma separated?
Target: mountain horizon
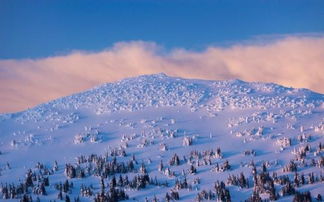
{"x": 163, "y": 75}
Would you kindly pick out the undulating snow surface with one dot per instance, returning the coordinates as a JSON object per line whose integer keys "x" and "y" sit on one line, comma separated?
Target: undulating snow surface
{"x": 200, "y": 131}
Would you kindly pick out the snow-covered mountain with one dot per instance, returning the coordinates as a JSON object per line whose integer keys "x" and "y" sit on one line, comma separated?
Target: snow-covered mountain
{"x": 171, "y": 138}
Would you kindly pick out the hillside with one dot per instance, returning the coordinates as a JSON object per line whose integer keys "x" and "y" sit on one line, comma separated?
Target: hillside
{"x": 155, "y": 137}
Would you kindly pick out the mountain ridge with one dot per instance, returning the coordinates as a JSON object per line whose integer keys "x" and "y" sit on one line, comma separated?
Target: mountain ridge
{"x": 156, "y": 79}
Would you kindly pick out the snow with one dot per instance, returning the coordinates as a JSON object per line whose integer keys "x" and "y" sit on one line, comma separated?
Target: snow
{"x": 156, "y": 116}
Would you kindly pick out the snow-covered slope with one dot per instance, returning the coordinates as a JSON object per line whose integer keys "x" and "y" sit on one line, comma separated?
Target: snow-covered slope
{"x": 145, "y": 121}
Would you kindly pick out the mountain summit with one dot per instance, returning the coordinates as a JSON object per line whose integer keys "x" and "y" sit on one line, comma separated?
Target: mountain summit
{"x": 160, "y": 90}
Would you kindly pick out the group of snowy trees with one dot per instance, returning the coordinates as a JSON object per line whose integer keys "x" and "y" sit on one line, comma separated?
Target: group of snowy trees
{"x": 34, "y": 182}
{"x": 112, "y": 195}
{"x": 112, "y": 188}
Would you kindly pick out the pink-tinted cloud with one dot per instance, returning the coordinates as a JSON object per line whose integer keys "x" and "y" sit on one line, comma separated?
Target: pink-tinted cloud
{"x": 290, "y": 61}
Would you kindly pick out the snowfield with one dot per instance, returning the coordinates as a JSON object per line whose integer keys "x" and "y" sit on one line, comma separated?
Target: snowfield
{"x": 160, "y": 138}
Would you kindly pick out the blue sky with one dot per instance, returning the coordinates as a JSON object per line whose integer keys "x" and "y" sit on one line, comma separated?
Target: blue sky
{"x": 36, "y": 29}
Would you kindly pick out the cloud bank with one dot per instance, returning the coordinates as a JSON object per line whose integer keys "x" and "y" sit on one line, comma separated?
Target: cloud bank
{"x": 290, "y": 61}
